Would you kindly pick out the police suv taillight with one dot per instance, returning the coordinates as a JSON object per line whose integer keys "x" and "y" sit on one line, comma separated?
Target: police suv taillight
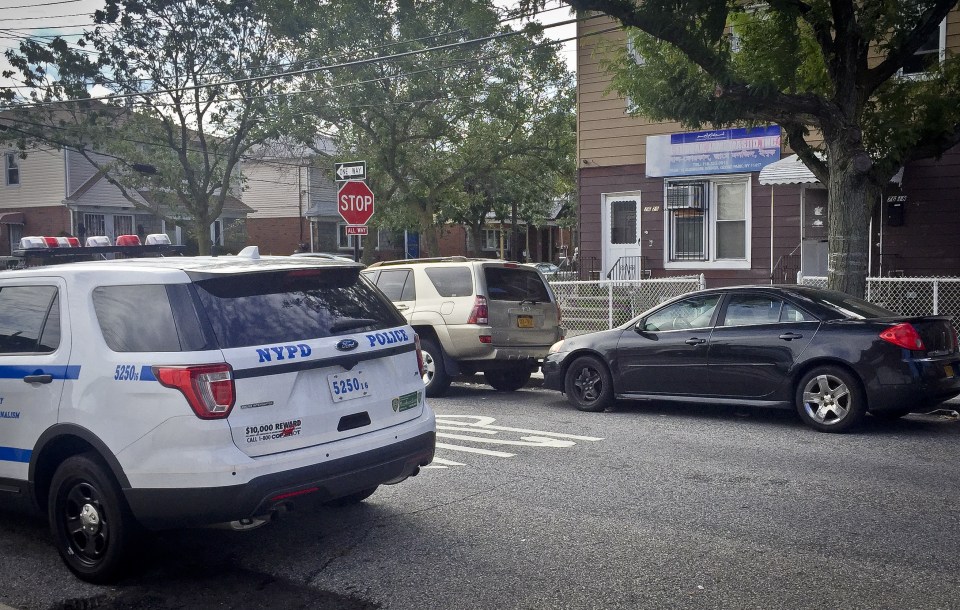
{"x": 479, "y": 314}
{"x": 416, "y": 341}
{"x": 209, "y": 388}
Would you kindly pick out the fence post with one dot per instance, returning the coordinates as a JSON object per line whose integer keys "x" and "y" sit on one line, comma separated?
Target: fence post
{"x": 936, "y": 297}
{"x": 609, "y": 305}
{"x": 703, "y": 281}
{"x": 869, "y": 286}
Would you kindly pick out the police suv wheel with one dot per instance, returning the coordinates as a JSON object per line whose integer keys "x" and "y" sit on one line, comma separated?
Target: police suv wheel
{"x": 91, "y": 524}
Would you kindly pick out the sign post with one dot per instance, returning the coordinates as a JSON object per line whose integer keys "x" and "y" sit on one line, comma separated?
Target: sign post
{"x": 355, "y": 202}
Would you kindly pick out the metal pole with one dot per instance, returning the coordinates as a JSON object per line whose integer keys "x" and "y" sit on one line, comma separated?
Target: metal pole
{"x": 609, "y": 305}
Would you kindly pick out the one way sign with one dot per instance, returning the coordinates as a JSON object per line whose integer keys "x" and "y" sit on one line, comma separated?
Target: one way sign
{"x": 351, "y": 170}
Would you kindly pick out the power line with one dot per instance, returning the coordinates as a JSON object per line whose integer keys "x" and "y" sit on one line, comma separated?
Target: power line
{"x": 44, "y": 17}
{"x": 301, "y": 72}
{"x": 39, "y": 5}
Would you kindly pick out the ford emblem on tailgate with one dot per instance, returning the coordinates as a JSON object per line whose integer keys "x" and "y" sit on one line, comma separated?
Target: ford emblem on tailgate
{"x": 346, "y": 345}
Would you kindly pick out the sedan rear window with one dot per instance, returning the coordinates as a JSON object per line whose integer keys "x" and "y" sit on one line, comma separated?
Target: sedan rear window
{"x": 279, "y": 307}
{"x": 852, "y": 307}
{"x": 510, "y": 284}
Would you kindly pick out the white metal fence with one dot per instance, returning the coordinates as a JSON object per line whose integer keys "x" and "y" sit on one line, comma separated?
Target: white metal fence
{"x": 601, "y": 305}
{"x": 910, "y": 296}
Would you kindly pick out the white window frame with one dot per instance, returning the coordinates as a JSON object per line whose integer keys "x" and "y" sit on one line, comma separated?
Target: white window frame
{"x": 711, "y": 262}
{"x": 15, "y": 233}
{"x": 10, "y": 163}
{"x": 941, "y": 55}
{"x": 486, "y": 235}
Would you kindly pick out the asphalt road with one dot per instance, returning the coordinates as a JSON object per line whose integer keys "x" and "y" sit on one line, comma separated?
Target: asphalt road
{"x": 533, "y": 504}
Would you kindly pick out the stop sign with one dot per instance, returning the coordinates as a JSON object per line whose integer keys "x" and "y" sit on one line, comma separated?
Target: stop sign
{"x": 355, "y": 202}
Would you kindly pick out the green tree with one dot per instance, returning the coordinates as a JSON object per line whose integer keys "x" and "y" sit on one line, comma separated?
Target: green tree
{"x": 191, "y": 88}
{"x": 447, "y": 116}
{"x": 818, "y": 68}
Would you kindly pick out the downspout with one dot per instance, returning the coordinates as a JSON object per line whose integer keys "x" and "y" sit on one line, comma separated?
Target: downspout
{"x": 771, "y": 234}
{"x": 300, "y": 205}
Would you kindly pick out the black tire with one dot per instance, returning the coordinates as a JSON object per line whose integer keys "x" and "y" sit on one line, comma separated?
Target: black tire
{"x": 507, "y": 381}
{"x": 830, "y": 399}
{"x": 588, "y": 384}
{"x": 435, "y": 377}
{"x": 90, "y": 520}
{"x": 354, "y": 498}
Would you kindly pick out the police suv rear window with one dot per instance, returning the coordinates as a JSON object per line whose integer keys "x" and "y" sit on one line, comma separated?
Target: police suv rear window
{"x": 510, "y": 284}
{"x": 149, "y": 318}
{"x": 275, "y": 307}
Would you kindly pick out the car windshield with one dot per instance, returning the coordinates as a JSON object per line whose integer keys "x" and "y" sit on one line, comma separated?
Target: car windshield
{"x": 264, "y": 308}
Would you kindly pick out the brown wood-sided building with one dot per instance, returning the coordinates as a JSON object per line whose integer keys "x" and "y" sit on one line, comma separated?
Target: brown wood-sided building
{"x": 655, "y": 201}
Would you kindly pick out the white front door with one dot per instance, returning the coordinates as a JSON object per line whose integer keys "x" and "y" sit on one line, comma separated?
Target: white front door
{"x": 621, "y": 238}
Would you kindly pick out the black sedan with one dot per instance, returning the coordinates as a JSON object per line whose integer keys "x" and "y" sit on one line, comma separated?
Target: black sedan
{"x": 831, "y": 356}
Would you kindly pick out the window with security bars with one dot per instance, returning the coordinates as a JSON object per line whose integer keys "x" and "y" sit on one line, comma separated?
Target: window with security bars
{"x": 707, "y": 219}
{"x": 686, "y": 205}
{"x": 623, "y": 222}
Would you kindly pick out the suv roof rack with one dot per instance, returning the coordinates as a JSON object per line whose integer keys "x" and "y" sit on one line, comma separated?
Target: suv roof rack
{"x": 438, "y": 259}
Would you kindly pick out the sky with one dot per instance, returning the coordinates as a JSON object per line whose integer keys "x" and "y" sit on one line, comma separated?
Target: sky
{"x": 19, "y": 18}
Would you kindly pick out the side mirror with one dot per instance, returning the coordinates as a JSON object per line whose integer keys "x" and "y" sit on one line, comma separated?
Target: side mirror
{"x": 639, "y": 327}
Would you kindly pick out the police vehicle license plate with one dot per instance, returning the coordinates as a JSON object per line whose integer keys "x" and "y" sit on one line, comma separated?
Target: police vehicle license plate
{"x": 948, "y": 369}
{"x": 524, "y": 321}
{"x": 348, "y": 385}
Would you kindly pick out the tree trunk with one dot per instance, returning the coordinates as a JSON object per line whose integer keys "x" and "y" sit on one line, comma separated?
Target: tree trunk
{"x": 428, "y": 236}
{"x": 476, "y": 235}
{"x": 852, "y": 198}
{"x": 201, "y": 230}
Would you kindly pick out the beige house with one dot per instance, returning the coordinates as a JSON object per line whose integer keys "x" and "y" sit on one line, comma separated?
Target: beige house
{"x": 58, "y": 192}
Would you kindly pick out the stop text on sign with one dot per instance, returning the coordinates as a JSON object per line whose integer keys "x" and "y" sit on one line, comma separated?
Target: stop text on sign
{"x": 355, "y": 202}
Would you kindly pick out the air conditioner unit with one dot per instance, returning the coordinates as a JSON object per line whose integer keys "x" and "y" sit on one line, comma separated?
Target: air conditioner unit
{"x": 685, "y": 196}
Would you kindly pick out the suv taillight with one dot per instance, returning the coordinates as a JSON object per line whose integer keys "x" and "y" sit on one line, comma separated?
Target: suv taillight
{"x": 903, "y": 335}
{"x": 207, "y": 387}
{"x": 416, "y": 341}
{"x": 479, "y": 314}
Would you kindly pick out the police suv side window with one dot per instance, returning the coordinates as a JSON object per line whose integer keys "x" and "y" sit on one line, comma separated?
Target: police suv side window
{"x": 136, "y": 318}
{"x": 451, "y": 281}
{"x": 24, "y": 311}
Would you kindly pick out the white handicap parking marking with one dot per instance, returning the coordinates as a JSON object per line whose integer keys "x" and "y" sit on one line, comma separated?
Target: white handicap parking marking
{"x": 481, "y": 430}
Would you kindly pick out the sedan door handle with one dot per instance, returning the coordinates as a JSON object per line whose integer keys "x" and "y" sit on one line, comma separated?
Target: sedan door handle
{"x": 695, "y": 341}
{"x": 402, "y": 307}
{"x": 791, "y": 336}
{"x": 38, "y": 378}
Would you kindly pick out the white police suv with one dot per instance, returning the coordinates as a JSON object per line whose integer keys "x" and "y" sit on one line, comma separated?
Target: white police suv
{"x": 169, "y": 392}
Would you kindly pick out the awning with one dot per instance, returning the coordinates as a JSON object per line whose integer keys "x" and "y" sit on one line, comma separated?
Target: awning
{"x": 789, "y": 170}
{"x": 11, "y": 218}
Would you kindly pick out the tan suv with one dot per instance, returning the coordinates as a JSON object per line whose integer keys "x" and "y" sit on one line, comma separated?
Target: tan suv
{"x": 473, "y": 315}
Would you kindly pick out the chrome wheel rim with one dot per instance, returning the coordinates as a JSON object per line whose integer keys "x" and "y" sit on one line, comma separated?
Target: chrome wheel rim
{"x": 588, "y": 384}
{"x": 429, "y": 368}
{"x": 827, "y": 399}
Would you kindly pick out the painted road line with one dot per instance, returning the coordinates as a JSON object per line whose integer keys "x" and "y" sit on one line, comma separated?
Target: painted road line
{"x": 467, "y": 428}
{"x": 527, "y": 441}
{"x": 475, "y": 450}
{"x": 436, "y": 463}
{"x": 482, "y": 424}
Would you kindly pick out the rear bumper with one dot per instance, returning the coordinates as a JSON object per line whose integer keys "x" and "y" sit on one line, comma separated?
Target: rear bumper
{"x": 183, "y": 507}
{"x": 921, "y": 384}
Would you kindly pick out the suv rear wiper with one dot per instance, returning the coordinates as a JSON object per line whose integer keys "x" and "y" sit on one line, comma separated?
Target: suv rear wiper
{"x": 351, "y": 323}
{"x": 531, "y": 301}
